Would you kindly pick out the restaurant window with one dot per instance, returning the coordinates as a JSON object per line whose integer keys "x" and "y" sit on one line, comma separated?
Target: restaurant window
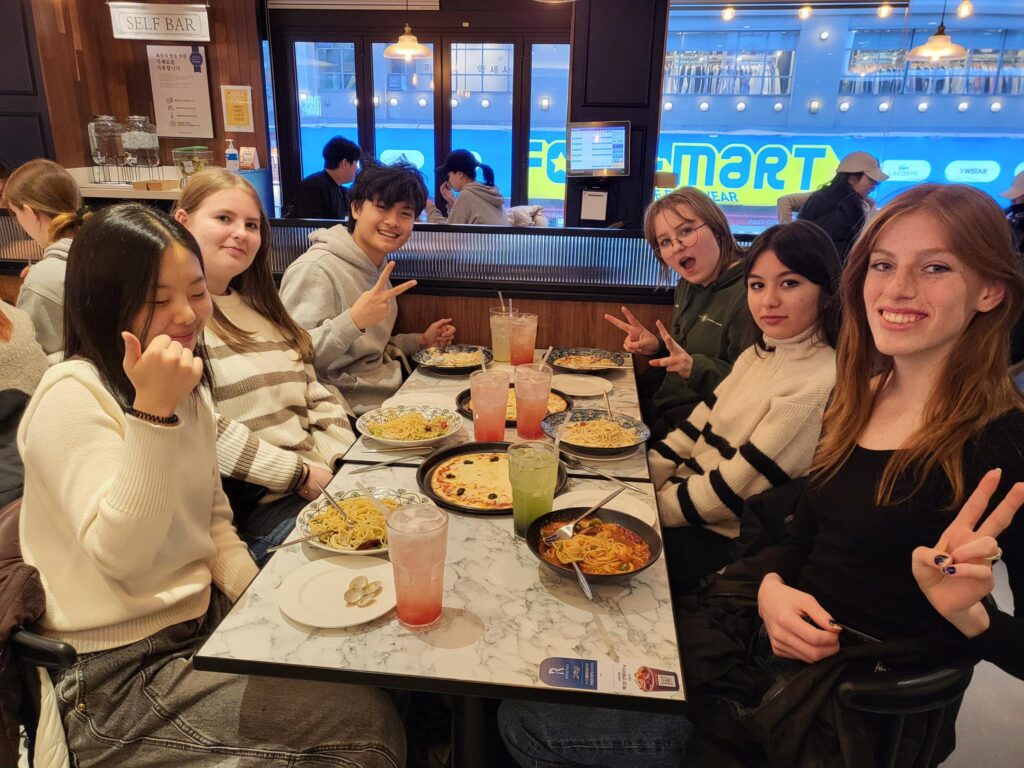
{"x": 729, "y": 63}
{"x": 403, "y": 110}
{"x": 549, "y": 109}
{"x": 325, "y": 80}
{"x": 482, "y": 82}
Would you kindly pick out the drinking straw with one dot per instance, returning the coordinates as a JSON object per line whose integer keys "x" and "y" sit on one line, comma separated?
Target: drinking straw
{"x": 502, "y": 300}
{"x": 544, "y": 357}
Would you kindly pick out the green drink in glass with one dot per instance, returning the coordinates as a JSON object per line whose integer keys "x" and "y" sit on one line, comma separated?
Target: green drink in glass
{"x": 533, "y": 472}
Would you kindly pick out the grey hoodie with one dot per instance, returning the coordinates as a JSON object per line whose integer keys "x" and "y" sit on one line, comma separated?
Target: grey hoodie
{"x": 475, "y": 204}
{"x": 318, "y": 289}
{"x": 42, "y": 298}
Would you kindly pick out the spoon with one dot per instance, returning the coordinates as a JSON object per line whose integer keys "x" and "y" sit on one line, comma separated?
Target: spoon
{"x": 575, "y": 463}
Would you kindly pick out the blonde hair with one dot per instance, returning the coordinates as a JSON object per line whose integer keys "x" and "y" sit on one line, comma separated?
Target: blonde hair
{"x": 49, "y": 190}
{"x": 255, "y": 284}
{"x": 974, "y": 386}
{"x": 706, "y": 209}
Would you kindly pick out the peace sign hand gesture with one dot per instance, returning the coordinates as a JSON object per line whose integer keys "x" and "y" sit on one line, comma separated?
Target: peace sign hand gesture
{"x": 956, "y": 573}
{"x": 678, "y": 360}
{"x": 372, "y": 306}
{"x": 638, "y": 338}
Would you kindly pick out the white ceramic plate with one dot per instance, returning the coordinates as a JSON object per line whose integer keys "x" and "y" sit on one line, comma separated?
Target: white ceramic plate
{"x": 626, "y": 502}
{"x": 420, "y": 398}
{"x": 314, "y": 595}
{"x": 400, "y": 495}
{"x": 381, "y": 414}
{"x": 579, "y": 385}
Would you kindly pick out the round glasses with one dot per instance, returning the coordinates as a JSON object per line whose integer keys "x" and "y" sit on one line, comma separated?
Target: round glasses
{"x": 686, "y": 237}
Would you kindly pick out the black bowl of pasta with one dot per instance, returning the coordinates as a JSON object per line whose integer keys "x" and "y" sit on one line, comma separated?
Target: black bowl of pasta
{"x": 591, "y": 432}
{"x": 608, "y": 546}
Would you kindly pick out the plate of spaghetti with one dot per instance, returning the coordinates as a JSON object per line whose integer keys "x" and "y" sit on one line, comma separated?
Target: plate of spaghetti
{"x": 408, "y": 425}
{"x": 579, "y": 359}
{"x": 455, "y": 360}
{"x": 364, "y": 532}
{"x": 608, "y": 546}
{"x": 592, "y": 432}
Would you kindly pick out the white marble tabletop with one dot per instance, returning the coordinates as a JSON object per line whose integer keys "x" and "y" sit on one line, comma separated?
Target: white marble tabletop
{"x": 428, "y": 388}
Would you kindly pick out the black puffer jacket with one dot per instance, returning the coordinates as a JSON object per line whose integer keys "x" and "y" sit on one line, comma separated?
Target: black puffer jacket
{"x": 840, "y": 212}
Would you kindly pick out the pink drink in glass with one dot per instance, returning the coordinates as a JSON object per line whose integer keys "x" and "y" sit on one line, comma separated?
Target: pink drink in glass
{"x": 533, "y": 384}
{"x": 417, "y": 545}
{"x": 522, "y": 337}
{"x": 488, "y": 391}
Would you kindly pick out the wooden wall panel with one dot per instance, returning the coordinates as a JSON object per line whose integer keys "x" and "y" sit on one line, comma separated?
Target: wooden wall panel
{"x": 88, "y": 72}
{"x": 9, "y": 287}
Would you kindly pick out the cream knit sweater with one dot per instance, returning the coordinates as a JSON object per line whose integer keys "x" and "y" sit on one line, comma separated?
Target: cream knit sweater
{"x": 272, "y": 413}
{"x": 760, "y": 432}
{"x": 125, "y": 520}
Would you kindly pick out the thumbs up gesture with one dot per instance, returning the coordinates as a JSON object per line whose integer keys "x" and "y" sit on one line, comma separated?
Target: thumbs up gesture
{"x": 163, "y": 375}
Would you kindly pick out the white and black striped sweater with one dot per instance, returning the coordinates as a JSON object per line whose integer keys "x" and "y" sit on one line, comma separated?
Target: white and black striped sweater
{"x": 761, "y": 431}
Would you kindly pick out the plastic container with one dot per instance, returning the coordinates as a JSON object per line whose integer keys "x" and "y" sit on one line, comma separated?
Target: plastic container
{"x": 231, "y": 157}
{"x": 105, "y": 141}
{"x": 140, "y": 142}
{"x": 191, "y": 160}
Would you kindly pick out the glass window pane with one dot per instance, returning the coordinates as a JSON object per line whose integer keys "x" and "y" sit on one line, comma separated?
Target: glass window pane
{"x": 549, "y": 108}
{"x": 325, "y": 79}
{"x": 482, "y": 78}
{"x": 403, "y": 110}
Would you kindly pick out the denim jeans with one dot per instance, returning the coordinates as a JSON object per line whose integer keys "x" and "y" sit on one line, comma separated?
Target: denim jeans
{"x": 562, "y": 736}
{"x": 260, "y": 524}
{"x": 143, "y": 705}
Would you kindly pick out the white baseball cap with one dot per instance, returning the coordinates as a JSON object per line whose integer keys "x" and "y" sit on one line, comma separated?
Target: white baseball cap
{"x": 862, "y": 162}
{"x": 1016, "y": 189}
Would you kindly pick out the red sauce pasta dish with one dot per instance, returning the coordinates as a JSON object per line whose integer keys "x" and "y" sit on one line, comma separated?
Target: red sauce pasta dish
{"x": 598, "y": 548}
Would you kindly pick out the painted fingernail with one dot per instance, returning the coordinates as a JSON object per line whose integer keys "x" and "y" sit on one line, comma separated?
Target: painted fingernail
{"x": 832, "y": 624}
{"x": 940, "y": 559}
{"x": 949, "y": 570}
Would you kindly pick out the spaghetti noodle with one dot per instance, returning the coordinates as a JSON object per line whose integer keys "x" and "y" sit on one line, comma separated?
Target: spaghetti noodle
{"x": 586, "y": 362}
{"x": 408, "y": 426}
{"x": 598, "y": 548}
{"x": 599, "y": 433}
{"x": 363, "y": 529}
{"x": 440, "y": 359}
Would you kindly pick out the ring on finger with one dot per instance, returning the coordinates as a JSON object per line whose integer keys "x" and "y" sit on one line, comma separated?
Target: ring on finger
{"x": 996, "y": 557}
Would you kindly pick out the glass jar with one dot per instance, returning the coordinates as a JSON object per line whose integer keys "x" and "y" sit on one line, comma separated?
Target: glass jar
{"x": 105, "y": 140}
{"x": 140, "y": 142}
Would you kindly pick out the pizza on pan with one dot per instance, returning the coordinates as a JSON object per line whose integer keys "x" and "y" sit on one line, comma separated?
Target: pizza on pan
{"x": 556, "y": 404}
{"x": 478, "y": 480}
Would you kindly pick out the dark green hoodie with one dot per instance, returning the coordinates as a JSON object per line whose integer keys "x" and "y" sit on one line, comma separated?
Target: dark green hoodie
{"x": 711, "y": 324}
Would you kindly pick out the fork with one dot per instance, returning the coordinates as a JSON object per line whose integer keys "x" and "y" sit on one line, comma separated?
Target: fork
{"x": 565, "y": 531}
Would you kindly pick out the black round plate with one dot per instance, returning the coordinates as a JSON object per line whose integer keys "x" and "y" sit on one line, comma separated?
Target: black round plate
{"x": 616, "y": 360}
{"x": 429, "y": 464}
{"x": 639, "y": 527}
{"x": 447, "y": 370}
{"x": 462, "y": 404}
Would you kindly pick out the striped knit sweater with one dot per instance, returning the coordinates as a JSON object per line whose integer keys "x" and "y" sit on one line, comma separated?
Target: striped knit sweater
{"x": 272, "y": 413}
{"x": 761, "y": 431}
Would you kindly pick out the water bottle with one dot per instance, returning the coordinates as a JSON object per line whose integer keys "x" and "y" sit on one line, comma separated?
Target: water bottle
{"x": 231, "y": 157}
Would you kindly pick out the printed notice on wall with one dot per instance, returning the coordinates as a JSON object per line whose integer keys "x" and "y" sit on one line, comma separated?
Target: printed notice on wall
{"x": 236, "y": 101}
{"x": 181, "y": 90}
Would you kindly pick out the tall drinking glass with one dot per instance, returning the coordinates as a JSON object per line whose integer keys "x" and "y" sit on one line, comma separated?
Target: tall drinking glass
{"x": 533, "y": 472}
{"x": 488, "y": 391}
{"x": 499, "y": 333}
{"x": 417, "y": 545}
{"x": 533, "y": 385}
{"x": 522, "y": 337}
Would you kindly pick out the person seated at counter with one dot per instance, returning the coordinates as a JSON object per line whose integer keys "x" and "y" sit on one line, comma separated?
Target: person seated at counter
{"x": 766, "y": 418}
{"x": 469, "y": 201}
{"x": 339, "y": 289}
{"x": 45, "y": 200}
{"x": 843, "y": 205}
{"x": 321, "y": 195}
{"x": 710, "y": 324}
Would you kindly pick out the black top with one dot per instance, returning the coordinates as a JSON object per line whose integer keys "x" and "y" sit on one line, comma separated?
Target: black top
{"x": 319, "y": 197}
{"x": 840, "y": 212}
{"x": 855, "y": 557}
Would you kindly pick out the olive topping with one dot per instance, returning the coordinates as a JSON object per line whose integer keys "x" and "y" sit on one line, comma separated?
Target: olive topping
{"x": 449, "y": 476}
{"x": 492, "y": 495}
{"x": 468, "y": 461}
{"x": 460, "y": 491}
{"x": 495, "y": 458}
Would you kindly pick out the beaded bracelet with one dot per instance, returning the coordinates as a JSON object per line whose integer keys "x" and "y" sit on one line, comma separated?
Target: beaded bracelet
{"x": 152, "y": 418}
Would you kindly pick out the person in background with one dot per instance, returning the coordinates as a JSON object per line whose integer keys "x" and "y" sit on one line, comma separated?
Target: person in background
{"x": 842, "y": 206}
{"x": 133, "y": 536}
{"x": 279, "y": 430}
{"x": 766, "y": 418}
{"x": 469, "y": 201}
{"x": 321, "y": 195}
{"x": 22, "y": 365}
{"x": 339, "y": 290}
{"x": 44, "y": 198}
{"x": 5, "y": 173}
{"x": 1015, "y": 212}
{"x": 710, "y": 323}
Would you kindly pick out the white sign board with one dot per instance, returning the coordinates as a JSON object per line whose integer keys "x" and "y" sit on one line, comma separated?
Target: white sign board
{"x": 160, "y": 21}
{"x": 181, "y": 90}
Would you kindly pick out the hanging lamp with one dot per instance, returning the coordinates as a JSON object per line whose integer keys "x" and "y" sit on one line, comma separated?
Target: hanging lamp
{"x": 407, "y": 47}
{"x": 939, "y": 47}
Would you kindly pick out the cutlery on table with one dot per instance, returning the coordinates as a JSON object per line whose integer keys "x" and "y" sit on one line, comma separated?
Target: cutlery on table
{"x": 575, "y": 463}
{"x": 565, "y": 531}
{"x": 584, "y": 584}
{"x": 393, "y": 460}
{"x": 335, "y": 504}
{"x": 294, "y": 541}
{"x": 373, "y": 500}
{"x": 608, "y": 405}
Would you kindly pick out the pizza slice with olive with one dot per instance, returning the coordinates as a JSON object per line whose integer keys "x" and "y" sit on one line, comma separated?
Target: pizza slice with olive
{"x": 476, "y": 480}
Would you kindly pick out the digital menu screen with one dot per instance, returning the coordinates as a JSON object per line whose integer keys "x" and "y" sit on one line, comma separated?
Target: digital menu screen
{"x": 598, "y": 149}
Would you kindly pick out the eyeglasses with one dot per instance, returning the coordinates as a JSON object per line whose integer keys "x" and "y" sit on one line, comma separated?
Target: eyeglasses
{"x": 686, "y": 237}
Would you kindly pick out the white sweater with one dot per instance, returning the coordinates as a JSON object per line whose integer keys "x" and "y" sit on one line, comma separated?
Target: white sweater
{"x": 761, "y": 431}
{"x": 271, "y": 411}
{"x": 125, "y": 520}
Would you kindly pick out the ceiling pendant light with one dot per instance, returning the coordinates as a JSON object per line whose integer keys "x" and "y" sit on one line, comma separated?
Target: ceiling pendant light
{"x": 940, "y": 46}
{"x": 407, "y": 47}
